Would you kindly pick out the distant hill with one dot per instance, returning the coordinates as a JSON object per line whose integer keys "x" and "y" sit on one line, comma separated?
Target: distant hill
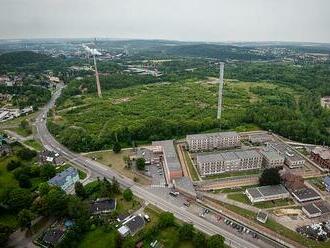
{"x": 217, "y": 51}
{"x": 22, "y": 58}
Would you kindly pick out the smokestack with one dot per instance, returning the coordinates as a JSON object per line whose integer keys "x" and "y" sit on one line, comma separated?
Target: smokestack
{"x": 222, "y": 65}
{"x": 98, "y": 86}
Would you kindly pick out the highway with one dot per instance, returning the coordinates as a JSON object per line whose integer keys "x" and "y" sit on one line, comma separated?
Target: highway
{"x": 96, "y": 169}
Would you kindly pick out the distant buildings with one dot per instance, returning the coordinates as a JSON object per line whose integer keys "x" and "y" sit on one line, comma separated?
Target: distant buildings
{"x": 170, "y": 159}
{"x": 238, "y": 160}
{"x": 321, "y": 155}
{"x": 10, "y": 113}
{"x": 325, "y": 102}
{"x": 50, "y": 157}
{"x": 65, "y": 179}
{"x": 291, "y": 158}
{"x": 266, "y": 193}
{"x": 212, "y": 141}
{"x": 149, "y": 154}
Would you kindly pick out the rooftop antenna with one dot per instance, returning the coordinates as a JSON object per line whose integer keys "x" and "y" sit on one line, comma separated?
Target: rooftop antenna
{"x": 222, "y": 65}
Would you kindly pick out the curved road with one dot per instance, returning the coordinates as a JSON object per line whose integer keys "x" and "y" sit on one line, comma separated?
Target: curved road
{"x": 97, "y": 169}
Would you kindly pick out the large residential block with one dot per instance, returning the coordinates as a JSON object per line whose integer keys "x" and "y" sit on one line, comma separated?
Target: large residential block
{"x": 272, "y": 158}
{"x": 239, "y": 160}
{"x": 291, "y": 158}
{"x": 211, "y": 141}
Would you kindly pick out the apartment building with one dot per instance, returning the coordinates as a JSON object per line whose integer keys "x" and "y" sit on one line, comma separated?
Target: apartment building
{"x": 239, "y": 160}
{"x": 271, "y": 158}
{"x": 291, "y": 158}
{"x": 211, "y": 141}
{"x": 321, "y": 155}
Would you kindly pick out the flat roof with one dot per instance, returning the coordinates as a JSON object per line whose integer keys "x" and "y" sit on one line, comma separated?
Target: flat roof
{"x": 306, "y": 194}
{"x": 170, "y": 154}
{"x": 269, "y": 190}
{"x": 211, "y": 135}
{"x": 286, "y": 151}
{"x": 271, "y": 154}
{"x": 226, "y": 156}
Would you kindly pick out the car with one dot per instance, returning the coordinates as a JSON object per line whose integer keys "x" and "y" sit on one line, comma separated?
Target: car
{"x": 202, "y": 215}
{"x": 187, "y": 204}
{"x": 174, "y": 193}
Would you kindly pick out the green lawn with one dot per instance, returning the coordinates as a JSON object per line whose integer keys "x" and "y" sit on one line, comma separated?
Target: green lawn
{"x": 233, "y": 190}
{"x": 6, "y": 178}
{"x": 240, "y": 197}
{"x": 235, "y": 174}
{"x": 34, "y": 144}
{"x": 21, "y": 131}
{"x": 99, "y": 238}
{"x": 192, "y": 169}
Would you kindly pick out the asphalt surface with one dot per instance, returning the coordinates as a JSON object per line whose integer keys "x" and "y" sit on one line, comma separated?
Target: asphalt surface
{"x": 96, "y": 169}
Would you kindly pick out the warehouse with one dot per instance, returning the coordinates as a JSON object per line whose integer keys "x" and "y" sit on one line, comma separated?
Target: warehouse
{"x": 266, "y": 193}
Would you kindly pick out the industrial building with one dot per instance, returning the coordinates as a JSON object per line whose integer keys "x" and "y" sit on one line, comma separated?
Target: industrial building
{"x": 321, "y": 155}
{"x": 271, "y": 158}
{"x": 267, "y": 193}
{"x": 170, "y": 160}
{"x": 291, "y": 158}
{"x": 212, "y": 141}
{"x": 239, "y": 160}
{"x": 316, "y": 209}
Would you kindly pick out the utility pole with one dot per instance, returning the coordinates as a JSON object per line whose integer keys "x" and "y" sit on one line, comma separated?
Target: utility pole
{"x": 222, "y": 65}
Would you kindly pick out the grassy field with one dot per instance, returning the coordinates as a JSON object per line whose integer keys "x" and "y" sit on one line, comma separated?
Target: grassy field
{"x": 34, "y": 144}
{"x": 240, "y": 197}
{"x": 116, "y": 162}
{"x": 191, "y": 167}
{"x": 178, "y": 105}
{"x": 99, "y": 238}
{"x": 234, "y": 190}
{"x": 235, "y": 174}
{"x": 7, "y": 179}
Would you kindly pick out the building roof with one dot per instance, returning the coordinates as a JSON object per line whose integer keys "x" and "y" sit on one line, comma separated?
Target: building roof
{"x": 286, "y": 151}
{"x": 226, "y": 156}
{"x": 53, "y": 236}
{"x": 317, "y": 208}
{"x": 211, "y": 135}
{"x": 271, "y": 154}
{"x": 135, "y": 223}
{"x": 323, "y": 152}
{"x": 269, "y": 190}
{"x": 306, "y": 194}
{"x": 326, "y": 180}
{"x": 60, "y": 179}
{"x": 170, "y": 154}
{"x": 123, "y": 230}
{"x": 102, "y": 205}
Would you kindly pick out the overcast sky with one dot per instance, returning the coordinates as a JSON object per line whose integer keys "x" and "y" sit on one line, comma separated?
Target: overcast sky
{"x": 201, "y": 20}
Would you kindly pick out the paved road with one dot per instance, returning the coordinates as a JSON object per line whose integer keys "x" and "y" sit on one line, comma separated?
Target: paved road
{"x": 97, "y": 169}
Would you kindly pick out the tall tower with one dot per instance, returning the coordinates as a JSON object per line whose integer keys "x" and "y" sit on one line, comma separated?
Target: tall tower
{"x": 222, "y": 65}
{"x": 98, "y": 86}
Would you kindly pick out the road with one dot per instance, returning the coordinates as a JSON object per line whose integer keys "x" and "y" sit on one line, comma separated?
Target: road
{"x": 96, "y": 169}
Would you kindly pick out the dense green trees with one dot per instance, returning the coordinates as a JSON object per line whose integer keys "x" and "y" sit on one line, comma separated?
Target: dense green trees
{"x": 47, "y": 171}
{"x": 216, "y": 241}
{"x": 140, "y": 163}
{"x": 270, "y": 176}
{"x": 166, "y": 219}
{"x": 116, "y": 147}
{"x": 24, "y": 218}
{"x": 80, "y": 190}
{"x": 128, "y": 194}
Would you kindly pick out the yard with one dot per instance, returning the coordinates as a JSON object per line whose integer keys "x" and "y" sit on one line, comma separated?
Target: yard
{"x": 241, "y": 197}
{"x": 99, "y": 238}
{"x": 116, "y": 162}
{"x": 235, "y": 174}
{"x": 34, "y": 144}
{"x": 191, "y": 167}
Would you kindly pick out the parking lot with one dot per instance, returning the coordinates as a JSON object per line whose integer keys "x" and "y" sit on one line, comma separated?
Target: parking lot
{"x": 156, "y": 172}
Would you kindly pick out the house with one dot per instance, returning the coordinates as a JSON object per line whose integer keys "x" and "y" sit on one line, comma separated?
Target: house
{"x": 53, "y": 236}
{"x": 46, "y": 157}
{"x": 132, "y": 225}
{"x": 103, "y": 206}
{"x": 326, "y": 182}
{"x": 266, "y": 193}
{"x": 65, "y": 179}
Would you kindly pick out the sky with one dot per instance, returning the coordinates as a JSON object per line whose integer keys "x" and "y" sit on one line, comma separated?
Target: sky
{"x": 188, "y": 20}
